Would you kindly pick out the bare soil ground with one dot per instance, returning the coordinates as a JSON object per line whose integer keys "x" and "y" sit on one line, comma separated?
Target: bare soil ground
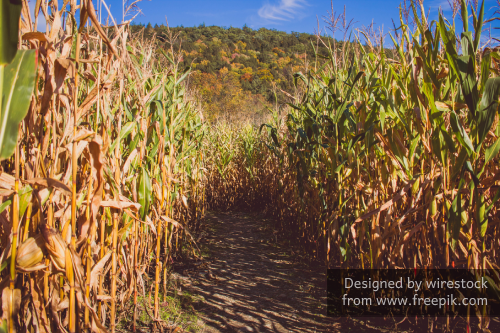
{"x": 250, "y": 283}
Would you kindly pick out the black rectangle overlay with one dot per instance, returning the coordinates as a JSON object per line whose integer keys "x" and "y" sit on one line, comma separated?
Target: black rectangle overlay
{"x": 405, "y": 292}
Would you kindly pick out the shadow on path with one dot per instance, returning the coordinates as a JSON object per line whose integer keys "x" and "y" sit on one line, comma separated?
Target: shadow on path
{"x": 250, "y": 284}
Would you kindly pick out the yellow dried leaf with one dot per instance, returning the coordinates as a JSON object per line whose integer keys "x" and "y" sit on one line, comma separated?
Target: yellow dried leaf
{"x": 11, "y": 303}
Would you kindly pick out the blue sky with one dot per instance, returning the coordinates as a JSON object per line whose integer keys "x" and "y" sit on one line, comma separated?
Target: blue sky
{"x": 285, "y": 15}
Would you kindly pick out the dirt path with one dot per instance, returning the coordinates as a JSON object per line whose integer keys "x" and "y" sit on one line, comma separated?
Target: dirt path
{"x": 247, "y": 282}
{"x": 250, "y": 284}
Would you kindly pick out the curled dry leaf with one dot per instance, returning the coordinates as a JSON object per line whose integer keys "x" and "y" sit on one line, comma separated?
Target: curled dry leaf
{"x": 185, "y": 202}
{"x": 92, "y": 96}
{"x": 97, "y": 271}
{"x": 77, "y": 271}
{"x": 63, "y": 68}
{"x": 87, "y": 11}
{"x": 50, "y": 182}
{"x": 129, "y": 160}
{"x": 56, "y": 26}
{"x": 98, "y": 162}
{"x": 79, "y": 150}
{"x": 35, "y": 35}
{"x": 39, "y": 307}
{"x": 7, "y": 181}
{"x": 121, "y": 205}
{"x": 398, "y": 196}
{"x": 173, "y": 222}
{"x": 6, "y": 193}
{"x": 53, "y": 309}
{"x": 63, "y": 305}
{"x": 148, "y": 221}
{"x": 83, "y": 134}
{"x": 105, "y": 298}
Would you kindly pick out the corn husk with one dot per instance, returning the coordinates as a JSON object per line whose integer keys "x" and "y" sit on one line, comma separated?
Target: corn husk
{"x": 55, "y": 245}
{"x": 30, "y": 254}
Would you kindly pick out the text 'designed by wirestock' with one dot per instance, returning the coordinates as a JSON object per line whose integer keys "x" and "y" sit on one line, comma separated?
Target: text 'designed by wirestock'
{"x": 409, "y": 292}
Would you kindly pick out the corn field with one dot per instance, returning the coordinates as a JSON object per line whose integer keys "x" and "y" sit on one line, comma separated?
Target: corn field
{"x": 384, "y": 159}
{"x": 378, "y": 160}
{"x": 384, "y": 162}
{"x": 106, "y": 177}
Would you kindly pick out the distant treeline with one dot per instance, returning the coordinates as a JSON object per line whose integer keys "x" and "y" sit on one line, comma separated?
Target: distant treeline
{"x": 257, "y": 64}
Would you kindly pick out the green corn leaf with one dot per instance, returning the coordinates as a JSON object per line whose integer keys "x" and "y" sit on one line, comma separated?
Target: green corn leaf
{"x": 153, "y": 94}
{"x": 459, "y": 162}
{"x": 427, "y": 67}
{"x": 183, "y": 77}
{"x": 448, "y": 140}
{"x": 144, "y": 193}
{"x": 126, "y": 130}
{"x": 3, "y": 328}
{"x": 346, "y": 104}
{"x": 480, "y": 213}
{"x": 436, "y": 116}
{"x": 123, "y": 232}
{"x": 465, "y": 15}
{"x": 467, "y": 44}
{"x": 491, "y": 151}
{"x": 4, "y": 205}
{"x": 468, "y": 168}
{"x": 485, "y": 70}
{"x": 18, "y": 84}
{"x": 301, "y": 76}
{"x": 468, "y": 82}
{"x": 487, "y": 109}
{"x": 448, "y": 38}
{"x": 338, "y": 168}
{"x": 493, "y": 201}
{"x": 398, "y": 47}
{"x": 25, "y": 195}
{"x": 382, "y": 116}
{"x": 275, "y": 138}
{"x": 10, "y": 11}
{"x": 135, "y": 141}
{"x": 439, "y": 145}
{"x": 154, "y": 150}
{"x": 461, "y": 134}
{"x": 413, "y": 146}
{"x": 5, "y": 263}
{"x": 436, "y": 41}
{"x": 126, "y": 108}
{"x": 344, "y": 203}
{"x": 478, "y": 27}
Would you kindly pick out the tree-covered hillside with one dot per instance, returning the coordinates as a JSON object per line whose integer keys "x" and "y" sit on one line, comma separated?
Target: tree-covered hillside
{"x": 237, "y": 68}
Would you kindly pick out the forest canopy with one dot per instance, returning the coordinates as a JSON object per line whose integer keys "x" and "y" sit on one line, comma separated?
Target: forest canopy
{"x": 240, "y": 69}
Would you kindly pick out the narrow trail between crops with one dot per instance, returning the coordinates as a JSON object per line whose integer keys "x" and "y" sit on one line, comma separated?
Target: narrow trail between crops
{"x": 249, "y": 283}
